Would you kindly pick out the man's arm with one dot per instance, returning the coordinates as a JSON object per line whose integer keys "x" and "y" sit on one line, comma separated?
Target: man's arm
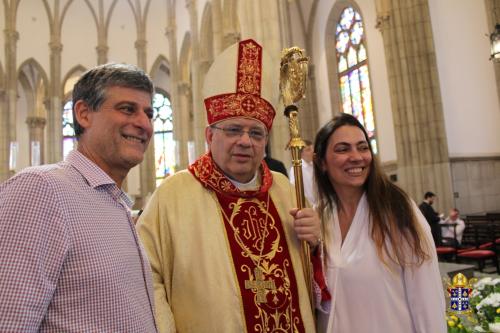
{"x": 33, "y": 244}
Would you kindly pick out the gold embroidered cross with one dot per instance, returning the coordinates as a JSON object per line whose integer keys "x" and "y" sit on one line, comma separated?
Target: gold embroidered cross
{"x": 260, "y": 285}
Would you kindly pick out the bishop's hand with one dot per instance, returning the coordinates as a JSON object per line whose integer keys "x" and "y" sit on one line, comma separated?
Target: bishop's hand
{"x": 307, "y": 225}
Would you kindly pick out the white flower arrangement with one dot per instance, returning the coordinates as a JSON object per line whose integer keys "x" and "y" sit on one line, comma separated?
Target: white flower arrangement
{"x": 494, "y": 327}
{"x": 492, "y": 300}
{"x": 485, "y": 302}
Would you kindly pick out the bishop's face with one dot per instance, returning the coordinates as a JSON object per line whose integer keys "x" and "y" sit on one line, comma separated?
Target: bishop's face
{"x": 237, "y": 146}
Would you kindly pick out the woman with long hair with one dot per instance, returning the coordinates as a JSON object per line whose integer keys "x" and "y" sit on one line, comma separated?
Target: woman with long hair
{"x": 381, "y": 265}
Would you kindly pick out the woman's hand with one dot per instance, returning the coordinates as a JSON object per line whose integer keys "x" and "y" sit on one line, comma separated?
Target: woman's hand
{"x": 307, "y": 225}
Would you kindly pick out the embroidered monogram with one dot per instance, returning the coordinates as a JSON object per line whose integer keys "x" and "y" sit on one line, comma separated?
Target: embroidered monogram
{"x": 259, "y": 250}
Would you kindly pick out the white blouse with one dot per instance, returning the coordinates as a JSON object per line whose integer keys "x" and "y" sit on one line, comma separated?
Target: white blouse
{"x": 367, "y": 296}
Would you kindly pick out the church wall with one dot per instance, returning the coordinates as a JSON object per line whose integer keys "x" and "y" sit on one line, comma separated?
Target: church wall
{"x": 122, "y": 35}
{"x": 182, "y": 22}
{"x": 467, "y": 81}
{"x": 31, "y": 17}
{"x": 200, "y": 7}
{"x": 297, "y": 30}
{"x": 476, "y": 183}
{"x": 34, "y": 33}
{"x": 79, "y": 39}
{"x": 156, "y": 24}
{"x": 378, "y": 70}
{"x": 318, "y": 32}
{"x": 470, "y": 103}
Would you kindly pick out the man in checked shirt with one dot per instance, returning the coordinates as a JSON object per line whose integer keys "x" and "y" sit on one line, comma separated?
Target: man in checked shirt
{"x": 70, "y": 259}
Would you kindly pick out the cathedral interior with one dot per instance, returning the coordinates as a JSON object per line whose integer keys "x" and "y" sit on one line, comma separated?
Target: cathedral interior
{"x": 418, "y": 74}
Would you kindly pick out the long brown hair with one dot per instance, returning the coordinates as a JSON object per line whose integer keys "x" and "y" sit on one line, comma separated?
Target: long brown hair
{"x": 394, "y": 228}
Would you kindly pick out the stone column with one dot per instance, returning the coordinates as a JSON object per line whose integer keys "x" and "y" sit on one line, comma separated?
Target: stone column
{"x": 183, "y": 120}
{"x": 199, "y": 118}
{"x": 422, "y": 149}
{"x": 140, "y": 47}
{"x": 36, "y": 126}
{"x": 179, "y": 128}
{"x": 147, "y": 168}
{"x": 217, "y": 26}
{"x": 8, "y": 124}
{"x": 54, "y": 121}
{"x": 4, "y": 138}
{"x": 102, "y": 52}
{"x": 230, "y": 24}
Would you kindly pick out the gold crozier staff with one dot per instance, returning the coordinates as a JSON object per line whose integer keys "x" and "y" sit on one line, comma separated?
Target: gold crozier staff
{"x": 293, "y": 76}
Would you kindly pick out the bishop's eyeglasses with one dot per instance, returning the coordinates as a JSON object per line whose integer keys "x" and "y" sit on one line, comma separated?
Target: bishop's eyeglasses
{"x": 257, "y": 136}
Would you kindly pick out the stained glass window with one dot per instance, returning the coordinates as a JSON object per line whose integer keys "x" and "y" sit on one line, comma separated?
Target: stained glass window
{"x": 163, "y": 136}
{"x": 69, "y": 139}
{"x": 354, "y": 79}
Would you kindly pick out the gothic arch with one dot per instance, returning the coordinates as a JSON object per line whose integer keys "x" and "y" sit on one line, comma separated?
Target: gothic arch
{"x": 230, "y": 25}
{"x": 331, "y": 55}
{"x": 185, "y": 59}
{"x": 160, "y": 73}
{"x": 35, "y": 84}
{"x": 160, "y": 62}
{"x": 207, "y": 37}
{"x": 26, "y": 93}
{"x": 70, "y": 79}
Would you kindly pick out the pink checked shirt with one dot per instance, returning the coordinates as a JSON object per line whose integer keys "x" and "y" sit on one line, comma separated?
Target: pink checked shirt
{"x": 70, "y": 259}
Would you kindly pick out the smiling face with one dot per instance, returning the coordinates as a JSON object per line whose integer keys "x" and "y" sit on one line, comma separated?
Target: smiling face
{"x": 348, "y": 158}
{"x": 239, "y": 157}
{"x": 117, "y": 135}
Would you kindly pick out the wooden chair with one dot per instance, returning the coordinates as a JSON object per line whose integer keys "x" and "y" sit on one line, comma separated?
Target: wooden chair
{"x": 494, "y": 219}
{"x": 479, "y": 236}
{"x": 447, "y": 250}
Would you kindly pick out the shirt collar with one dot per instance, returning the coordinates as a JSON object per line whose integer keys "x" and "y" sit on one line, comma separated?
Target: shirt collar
{"x": 95, "y": 176}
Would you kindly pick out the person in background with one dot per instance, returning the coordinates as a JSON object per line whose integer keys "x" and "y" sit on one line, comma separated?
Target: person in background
{"x": 448, "y": 232}
{"x": 274, "y": 164}
{"x": 431, "y": 216}
{"x": 307, "y": 154}
{"x": 71, "y": 260}
{"x": 223, "y": 237}
{"x": 379, "y": 257}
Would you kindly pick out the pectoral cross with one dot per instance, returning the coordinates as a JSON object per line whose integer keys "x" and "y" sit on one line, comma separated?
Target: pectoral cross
{"x": 260, "y": 285}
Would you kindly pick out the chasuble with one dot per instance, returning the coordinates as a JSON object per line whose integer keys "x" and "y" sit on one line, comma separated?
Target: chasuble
{"x": 225, "y": 260}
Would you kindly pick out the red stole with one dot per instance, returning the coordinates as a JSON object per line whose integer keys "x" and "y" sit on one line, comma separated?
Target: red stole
{"x": 259, "y": 250}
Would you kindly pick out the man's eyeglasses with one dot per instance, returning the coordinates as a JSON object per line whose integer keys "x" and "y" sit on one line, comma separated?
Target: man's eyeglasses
{"x": 257, "y": 136}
